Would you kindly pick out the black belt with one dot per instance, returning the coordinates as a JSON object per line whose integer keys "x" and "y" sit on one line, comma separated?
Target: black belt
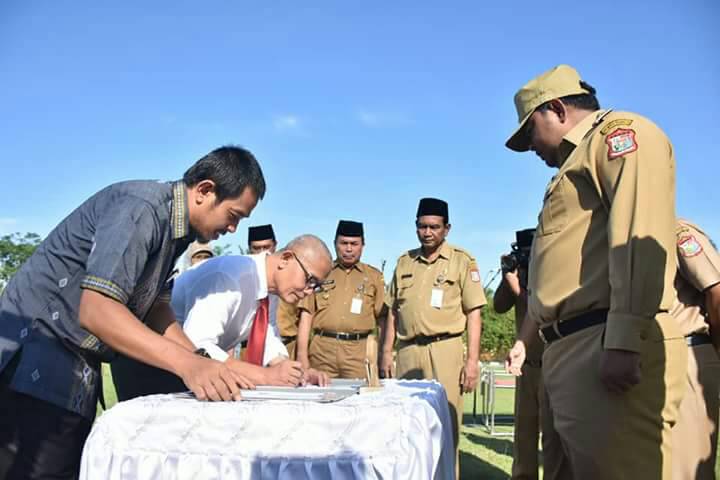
{"x": 695, "y": 339}
{"x": 428, "y": 339}
{"x": 285, "y": 341}
{"x": 343, "y": 335}
{"x": 572, "y": 325}
{"x": 288, "y": 339}
{"x": 534, "y": 363}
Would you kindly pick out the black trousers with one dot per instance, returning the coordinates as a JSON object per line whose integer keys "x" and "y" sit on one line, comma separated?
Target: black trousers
{"x": 38, "y": 440}
{"x": 135, "y": 379}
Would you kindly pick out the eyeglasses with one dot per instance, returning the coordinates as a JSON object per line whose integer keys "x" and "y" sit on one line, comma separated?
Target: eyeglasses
{"x": 311, "y": 281}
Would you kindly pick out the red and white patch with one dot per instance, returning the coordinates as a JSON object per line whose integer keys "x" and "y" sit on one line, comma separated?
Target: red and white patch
{"x": 474, "y": 276}
{"x": 689, "y": 246}
{"x": 621, "y": 142}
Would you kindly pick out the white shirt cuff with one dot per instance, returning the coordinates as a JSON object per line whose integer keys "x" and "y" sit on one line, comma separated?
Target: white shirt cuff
{"x": 215, "y": 352}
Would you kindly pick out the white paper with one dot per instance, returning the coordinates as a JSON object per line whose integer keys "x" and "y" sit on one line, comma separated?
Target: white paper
{"x": 356, "y": 306}
{"x": 322, "y": 395}
{"x": 436, "y": 299}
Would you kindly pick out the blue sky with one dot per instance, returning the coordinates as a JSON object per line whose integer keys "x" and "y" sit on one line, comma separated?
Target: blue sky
{"x": 354, "y": 109}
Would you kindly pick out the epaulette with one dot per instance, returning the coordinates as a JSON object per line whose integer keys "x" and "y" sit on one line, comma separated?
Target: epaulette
{"x": 613, "y": 120}
{"x": 463, "y": 252}
{"x": 411, "y": 253}
{"x": 376, "y": 270}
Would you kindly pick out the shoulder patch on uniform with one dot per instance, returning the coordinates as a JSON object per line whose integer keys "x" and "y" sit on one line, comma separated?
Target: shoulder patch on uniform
{"x": 475, "y": 275}
{"x": 689, "y": 246}
{"x": 621, "y": 142}
{"x": 626, "y": 122}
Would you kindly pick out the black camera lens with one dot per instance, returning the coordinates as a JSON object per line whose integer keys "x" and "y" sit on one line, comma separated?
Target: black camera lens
{"x": 509, "y": 263}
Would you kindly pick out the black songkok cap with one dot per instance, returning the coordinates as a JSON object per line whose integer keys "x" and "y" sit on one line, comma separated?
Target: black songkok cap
{"x": 524, "y": 238}
{"x": 433, "y": 206}
{"x": 261, "y": 232}
{"x": 348, "y": 228}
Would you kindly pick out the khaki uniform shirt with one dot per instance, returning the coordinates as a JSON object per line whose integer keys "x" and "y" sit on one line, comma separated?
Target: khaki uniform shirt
{"x": 431, "y": 298}
{"x": 698, "y": 269}
{"x": 351, "y": 300}
{"x": 287, "y": 318}
{"x": 605, "y": 236}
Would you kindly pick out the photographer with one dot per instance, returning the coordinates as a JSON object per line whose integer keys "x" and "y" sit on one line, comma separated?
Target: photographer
{"x": 529, "y": 388}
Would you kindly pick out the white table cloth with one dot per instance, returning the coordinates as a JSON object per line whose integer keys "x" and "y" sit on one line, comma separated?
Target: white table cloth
{"x": 400, "y": 432}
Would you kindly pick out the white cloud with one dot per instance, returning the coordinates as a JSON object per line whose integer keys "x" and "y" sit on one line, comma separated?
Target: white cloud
{"x": 286, "y": 122}
{"x": 380, "y": 119}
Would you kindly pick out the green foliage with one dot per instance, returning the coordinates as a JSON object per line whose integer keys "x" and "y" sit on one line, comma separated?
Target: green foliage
{"x": 220, "y": 250}
{"x": 498, "y": 333}
{"x": 14, "y": 250}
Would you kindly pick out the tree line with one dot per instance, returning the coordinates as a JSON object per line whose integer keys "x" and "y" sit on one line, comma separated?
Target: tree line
{"x": 498, "y": 328}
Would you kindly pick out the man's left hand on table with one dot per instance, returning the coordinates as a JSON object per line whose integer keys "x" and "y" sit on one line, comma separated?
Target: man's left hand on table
{"x": 316, "y": 377}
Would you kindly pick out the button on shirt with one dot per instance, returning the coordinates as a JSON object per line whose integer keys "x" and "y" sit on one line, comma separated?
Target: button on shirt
{"x": 216, "y": 301}
{"x": 698, "y": 270}
{"x": 123, "y": 243}
{"x": 606, "y": 232}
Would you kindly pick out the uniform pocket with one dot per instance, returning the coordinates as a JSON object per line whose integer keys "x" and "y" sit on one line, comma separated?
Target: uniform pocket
{"x": 405, "y": 281}
{"x": 322, "y": 299}
{"x": 553, "y": 216}
{"x": 404, "y": 284}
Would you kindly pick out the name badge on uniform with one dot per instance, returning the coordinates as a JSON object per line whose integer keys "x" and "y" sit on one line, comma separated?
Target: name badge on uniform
{"x": 436, "y": 298}
{"x": 356, "y": 306}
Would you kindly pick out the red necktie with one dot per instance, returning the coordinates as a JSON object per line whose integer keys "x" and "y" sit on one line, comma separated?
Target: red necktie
{"x": 258, "y": 331}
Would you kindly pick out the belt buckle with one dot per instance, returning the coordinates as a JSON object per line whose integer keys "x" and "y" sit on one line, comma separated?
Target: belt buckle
{"x": 542, "y": 336}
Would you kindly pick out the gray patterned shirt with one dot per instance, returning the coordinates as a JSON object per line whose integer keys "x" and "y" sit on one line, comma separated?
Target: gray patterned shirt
{"x": 121, "y": 242}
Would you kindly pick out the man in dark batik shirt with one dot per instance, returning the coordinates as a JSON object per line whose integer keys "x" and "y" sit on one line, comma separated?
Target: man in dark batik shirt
{"x": 97, "y": 285}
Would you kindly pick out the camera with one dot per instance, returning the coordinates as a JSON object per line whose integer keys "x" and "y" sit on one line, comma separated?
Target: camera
{"x": 519, "y": 257}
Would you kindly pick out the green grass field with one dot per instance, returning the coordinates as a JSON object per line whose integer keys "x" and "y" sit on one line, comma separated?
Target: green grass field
{"x": 482, "y": 455}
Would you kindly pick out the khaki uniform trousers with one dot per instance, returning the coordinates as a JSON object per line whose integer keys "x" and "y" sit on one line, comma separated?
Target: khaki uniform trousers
{"x": 556, "y": 464}
{"x": 533, "y": 415}
{"x": 442, "y": 361}
{"x": 338, "y": 358}
{"x": 617, "y": 436}
{"x": 695, "y": 435}
{"x": 291, "y": 348}
{"x": 529, "y": 393}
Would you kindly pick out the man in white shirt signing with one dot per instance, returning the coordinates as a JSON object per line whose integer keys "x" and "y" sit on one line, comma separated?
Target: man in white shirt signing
{"x": 217, "y": 303}
{"x": 223, "y": 302}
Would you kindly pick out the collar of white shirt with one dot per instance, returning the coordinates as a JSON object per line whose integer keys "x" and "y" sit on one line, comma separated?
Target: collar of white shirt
{"x": 260, "y": 260}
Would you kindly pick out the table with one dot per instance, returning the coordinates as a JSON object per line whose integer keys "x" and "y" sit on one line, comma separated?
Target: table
{"x": 400, "y": 432}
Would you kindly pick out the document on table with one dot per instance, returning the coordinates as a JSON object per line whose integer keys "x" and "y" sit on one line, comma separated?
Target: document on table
{"x": 308, "y": 393}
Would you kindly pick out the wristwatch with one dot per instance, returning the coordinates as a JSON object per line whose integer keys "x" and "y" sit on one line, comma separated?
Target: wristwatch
{"x": 202, "y": 352}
